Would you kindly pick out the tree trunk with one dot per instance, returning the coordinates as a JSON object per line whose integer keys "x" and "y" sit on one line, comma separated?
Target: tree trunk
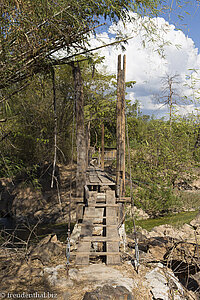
{"x": 80, "y": 132}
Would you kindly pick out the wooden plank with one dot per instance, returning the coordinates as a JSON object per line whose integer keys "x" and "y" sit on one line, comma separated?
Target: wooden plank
{"x": 113, "y": 259}
{"x": 112, "y": 232}
{"x": 98, "y": 225}
{"x": 101, "y": 196}
{"x": 83, "y": 259}
{"x": 111, "y": 221}
{"x": 100, "y": 239}
{"x": 96, "y": 253}
{"x": 110, "y": 197}
{"x": 104, "y": 205}
{"x": 113, "y": 247}
{"x": 100, "y": 183}
{"x": 98, "y": 217}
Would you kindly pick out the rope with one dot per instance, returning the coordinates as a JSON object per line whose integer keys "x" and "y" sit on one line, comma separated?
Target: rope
{"x": 70, "y": 194}
{"x": 136, "y": 261}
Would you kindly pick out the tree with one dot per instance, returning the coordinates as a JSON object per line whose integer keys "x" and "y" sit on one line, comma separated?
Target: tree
{"x": 170, "y": 93}
{"x": 32, "y": 31}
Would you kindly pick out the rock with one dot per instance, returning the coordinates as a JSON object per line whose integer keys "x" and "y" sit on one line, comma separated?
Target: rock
{"x": 47, "y": 248}
{"x": 75, "y": 233}
{"x": 100, "y": 274}
{"x": 73, "y": 274}
{"x": 140, "y": 214}
{"x": 108, "y": 292}
{"x": 53, "y": 278}
{"x": 185, "y": 232}
{"x": 196, "y": 222}
{"x": 164, "y": 284}
{"x": 196, "y": 184}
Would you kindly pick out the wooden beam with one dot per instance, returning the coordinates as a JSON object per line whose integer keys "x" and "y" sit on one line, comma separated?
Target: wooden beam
{"x": 118, "y": 120}
{"x": 123, "y": 134}
{"x": 120, "y": 169}
{"x": 102, "y": 146}
{"x": 80, "y": 132}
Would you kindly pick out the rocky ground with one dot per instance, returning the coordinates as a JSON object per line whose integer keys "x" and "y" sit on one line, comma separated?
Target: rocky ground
{"x": 169, "y": 257}
{"x": 169, "y": 269}
{"x": 40, "y": 204}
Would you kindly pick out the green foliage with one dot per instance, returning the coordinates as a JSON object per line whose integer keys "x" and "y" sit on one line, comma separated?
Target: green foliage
{"x": 156, "y": 199}
{"x": 161, "y": 155}
{"x": 31, "y": 31}
{"x": 176, "y": 220}
{"x": 9, "y": 167}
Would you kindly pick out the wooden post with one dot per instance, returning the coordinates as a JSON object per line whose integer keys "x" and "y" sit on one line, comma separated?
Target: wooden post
{"x": 87, "y": 144}
{"x": 120, "y": 168}
{"x": 123, "y": 128}
{"x": 102, "y": 146}
{"x": 118, "y": 122}
{"x": 80, "y": 132}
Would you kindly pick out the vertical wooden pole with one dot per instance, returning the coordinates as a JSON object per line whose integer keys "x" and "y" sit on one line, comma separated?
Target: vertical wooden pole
{"x": 120, "y": 168}
{"x": 118, "y": 122}
{"x": 87, "y": 144}
{"x": 80, "y": 132}
{"x": 102, "y": 146}
{"x": 55, "y": 127}
{"x": 123, "y": 150}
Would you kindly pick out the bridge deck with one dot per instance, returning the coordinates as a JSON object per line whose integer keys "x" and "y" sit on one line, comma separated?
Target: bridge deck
{"x": 99, "y": 227}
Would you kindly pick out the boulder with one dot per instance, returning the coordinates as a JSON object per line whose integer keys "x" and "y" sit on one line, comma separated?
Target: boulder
{"x": 163, "y": 284}
{"x": 196, "y": 184}
{"x": 108, "y": 292}
{"x": 196, "y": 222}
{"x": 185, "y": 232}
{"x": 47, "y": 248}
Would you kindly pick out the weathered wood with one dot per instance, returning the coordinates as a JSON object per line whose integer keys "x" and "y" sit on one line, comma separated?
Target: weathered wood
{"x": 97, "y": 253}
{"x": 82, "y": 257}
{"x": 113, "y": 259}
{"x": 104, "y": 205}
{"x": 87, "y": 144}
{"x": 120, "y": 169}
{"x": 123, "y": 127}
{"x": 80, "y": 132}
{"x": 100, "y": 213}
{"x": 97, "y": 225}
{"x": 118, "y": 129}
{"x": 100, "y": 239}
{"x": 100, "y": 183}
{"x": 102, "y": 146}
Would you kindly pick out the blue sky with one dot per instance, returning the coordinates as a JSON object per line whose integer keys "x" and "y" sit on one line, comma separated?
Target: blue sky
{"x": 190, "y": 24}
{"x": 147, "y": 67}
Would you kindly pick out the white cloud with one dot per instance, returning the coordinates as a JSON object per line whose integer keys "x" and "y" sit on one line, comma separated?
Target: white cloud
{"x": 145, "y": 65}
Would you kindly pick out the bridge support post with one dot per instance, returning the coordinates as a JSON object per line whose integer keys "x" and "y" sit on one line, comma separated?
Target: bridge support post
{"x": 80, "y": 132}
{"x": 120, "y": 170}
{"x": 102, "y": 146}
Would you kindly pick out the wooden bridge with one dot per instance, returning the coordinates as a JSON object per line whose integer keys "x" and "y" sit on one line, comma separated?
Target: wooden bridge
{"x": 100, "y": 219}
{"x": 101, "y": 211}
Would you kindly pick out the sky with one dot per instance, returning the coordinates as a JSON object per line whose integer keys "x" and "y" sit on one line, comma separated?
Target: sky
{"x": 152, "y": 57}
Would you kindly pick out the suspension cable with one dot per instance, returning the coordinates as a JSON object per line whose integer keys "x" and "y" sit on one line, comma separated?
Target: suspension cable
{"x": 136, "y": 261}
